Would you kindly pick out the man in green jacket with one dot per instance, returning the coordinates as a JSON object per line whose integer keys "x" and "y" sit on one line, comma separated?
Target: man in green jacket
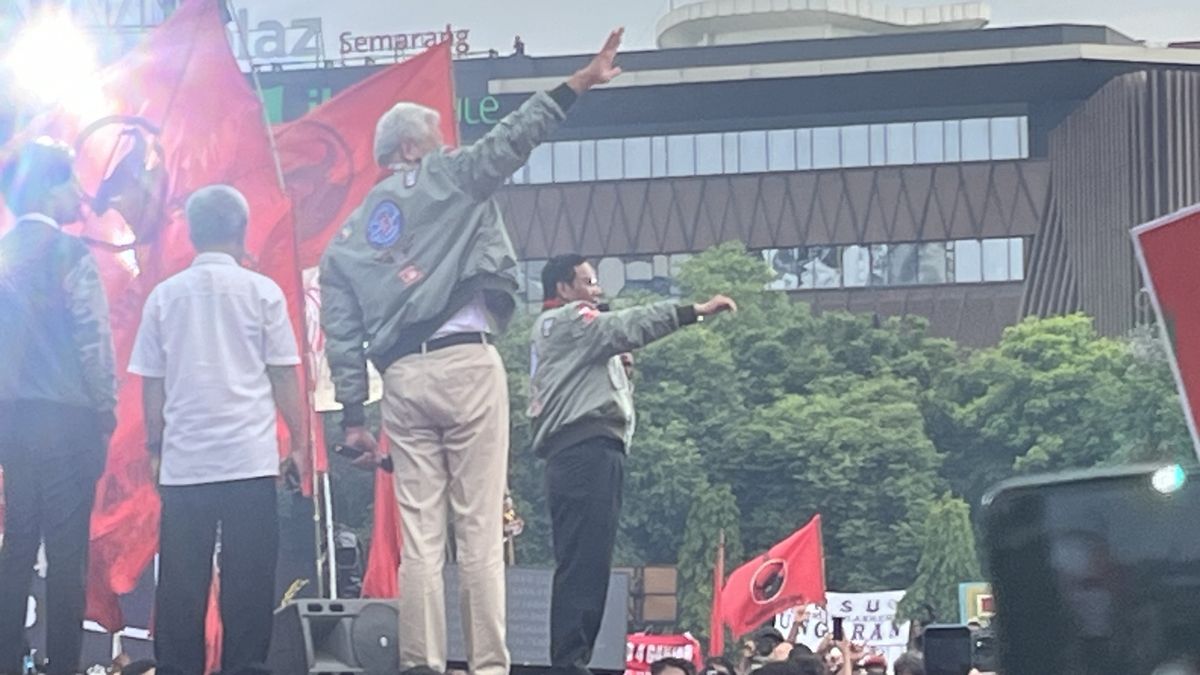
{"x": 418, "y": 281}
{"x": 581, "y": 406}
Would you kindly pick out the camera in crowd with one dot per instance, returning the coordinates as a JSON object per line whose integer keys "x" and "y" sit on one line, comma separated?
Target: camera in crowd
{"x": 959, "y": 649}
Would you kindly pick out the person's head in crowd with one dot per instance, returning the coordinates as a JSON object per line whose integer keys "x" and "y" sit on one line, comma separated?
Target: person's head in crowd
{"x": 718, "y": 665}
{"x": 806, "y": 661}
{"x": 672, "y": 666}
{"x": 570, "y": 278}
{"x": 782, "y": 668}
{"x": 407, "y": 133}
{"x": 909, "y": 663}
{"x": 217, "y": 217}
{"x": 770, "y": 645}
{"x": 143, "y": 667}
{"x": 40, "y": 178}
{"x": 875, "y": 664}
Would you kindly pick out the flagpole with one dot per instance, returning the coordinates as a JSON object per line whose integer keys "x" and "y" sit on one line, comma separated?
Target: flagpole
{"x": 716, "y": 628}
{"x": 321, "y": 486}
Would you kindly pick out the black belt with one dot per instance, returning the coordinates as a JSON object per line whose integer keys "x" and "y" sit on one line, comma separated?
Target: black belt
{"x": 452, "y": 340}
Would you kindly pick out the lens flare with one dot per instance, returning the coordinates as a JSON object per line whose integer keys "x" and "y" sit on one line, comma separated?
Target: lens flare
{"x": 53, "y": 61}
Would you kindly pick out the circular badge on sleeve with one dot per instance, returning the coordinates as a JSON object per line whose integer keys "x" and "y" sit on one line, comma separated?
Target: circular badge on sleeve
{"x": 385, "y": 225}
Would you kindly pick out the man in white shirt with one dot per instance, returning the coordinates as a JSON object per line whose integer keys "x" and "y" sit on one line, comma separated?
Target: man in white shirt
{"x": 218, "y": 356}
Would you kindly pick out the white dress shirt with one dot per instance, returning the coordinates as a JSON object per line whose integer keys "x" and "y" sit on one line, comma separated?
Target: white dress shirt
{"x": 211, "y": 331}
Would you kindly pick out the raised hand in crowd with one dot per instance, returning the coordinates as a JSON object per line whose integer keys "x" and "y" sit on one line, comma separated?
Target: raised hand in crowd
{"x": 601, "y": 69}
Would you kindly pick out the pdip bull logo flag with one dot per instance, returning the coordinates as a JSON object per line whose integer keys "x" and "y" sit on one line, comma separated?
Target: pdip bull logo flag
{"x": 791, "y": 574}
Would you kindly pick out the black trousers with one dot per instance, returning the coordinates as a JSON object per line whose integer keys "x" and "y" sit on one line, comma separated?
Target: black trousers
{"x": 52, "y": 456}
{"x": 245, "y": 510}
{"x": 583, "y": 485}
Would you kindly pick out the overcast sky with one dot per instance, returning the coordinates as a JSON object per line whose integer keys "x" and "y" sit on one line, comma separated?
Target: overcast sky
{"x": 571, "y": 26}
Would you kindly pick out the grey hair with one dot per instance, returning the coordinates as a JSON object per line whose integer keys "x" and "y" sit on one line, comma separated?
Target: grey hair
{"x": 217, "y": 214}
{"x": 404, "y": 123}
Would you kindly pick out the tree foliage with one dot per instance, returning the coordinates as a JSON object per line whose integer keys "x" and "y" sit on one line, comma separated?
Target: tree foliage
{"x": 757, "y": 421}
{"x": 948, "y": 558}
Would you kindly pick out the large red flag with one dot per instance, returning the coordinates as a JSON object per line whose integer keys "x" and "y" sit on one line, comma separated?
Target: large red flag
{"x": 1167, "y": 251}
{"x": 791, "y": 574}
{"x": 171, "y": 116}
{"x": 328, "y": 155}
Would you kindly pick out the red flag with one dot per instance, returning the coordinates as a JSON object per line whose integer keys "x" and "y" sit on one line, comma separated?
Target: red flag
{"x": 1167, "y": 251}
{"x": 173, "y": 115}
{"x": 791, "y": 574}
{"x": 328, "y": 155}
{"x": 716, "y": 622}
{"x": 383, "y": 561}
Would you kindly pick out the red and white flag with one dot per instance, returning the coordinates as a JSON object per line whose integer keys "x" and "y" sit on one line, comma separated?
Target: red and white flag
{"x": 1167, "y": 249}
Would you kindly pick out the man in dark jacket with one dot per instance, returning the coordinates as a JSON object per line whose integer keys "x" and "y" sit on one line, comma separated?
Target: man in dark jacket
{"x": 581, "y": 406}
{"x": 57, "y": 397}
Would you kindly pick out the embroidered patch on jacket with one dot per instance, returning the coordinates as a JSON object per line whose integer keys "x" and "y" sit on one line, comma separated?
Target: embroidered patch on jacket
{"x": 547, "y": 324}
{"x": 385, "y": 225}
{"x": 411, "y": 275}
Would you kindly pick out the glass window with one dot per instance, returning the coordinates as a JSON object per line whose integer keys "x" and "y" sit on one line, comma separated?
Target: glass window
{"x": 752, "y": 146}
{"x": 608, "y": 159}
{"x": 637, "y": 158}
{"x": 930, "y": 143}
{"x": 975, "y": 144}
{"x": 520, "y": 176}
{"x": 611, "y": 273}
{"x": 566, "y": 162}
{"x": 933, "y": 261}
{"x": 781, "y": 150}
{"x": 533, "y": 280}
{"x": 879, "y": 265}
{"x": 968, "y": 261}
{"x": 658, "y": 156}
{"x": 856, "y": 146}
{"x": 995, "y": 259}
{"x": 1024, "y": 136}
{"x": 827, "y": 148}
{"x": 785, "y": 266}
{"x": 681, "y": 156}
{"x": 587, "y": 160}
{"x": 709, "y": 155}
{"x": 903, "y": 264}
{"x": 878, "y": 145}
{"x": 856, "y": 266}
{"x": 820, "y": 267}
{"x": 639, "y": 269}
{"x": 730, "y": 142}
{"x": 1016, "y": 259}
{"x": 541, "y": 165}
{"x": 900, "y": 143}
{"x": 804, "y": 149}
{"x": 952, "y": 135}
{"x": 1006, "y": 138}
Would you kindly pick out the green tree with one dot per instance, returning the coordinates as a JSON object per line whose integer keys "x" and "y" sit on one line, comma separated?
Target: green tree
{"x": 854, "y": 451}
{"x": 948, "y": 558}
{"x": 713, "y": 511}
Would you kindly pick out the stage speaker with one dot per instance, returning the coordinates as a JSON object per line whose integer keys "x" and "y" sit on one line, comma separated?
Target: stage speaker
{"x": 335, "y": 637}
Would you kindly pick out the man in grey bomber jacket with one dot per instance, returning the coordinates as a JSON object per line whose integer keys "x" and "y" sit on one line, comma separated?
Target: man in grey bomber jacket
{"x": 420, "y": 280}
{"x": 581, "y": 406}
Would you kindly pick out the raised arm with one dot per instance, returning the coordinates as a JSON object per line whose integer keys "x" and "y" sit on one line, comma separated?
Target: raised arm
{"x": 482, "y": 167}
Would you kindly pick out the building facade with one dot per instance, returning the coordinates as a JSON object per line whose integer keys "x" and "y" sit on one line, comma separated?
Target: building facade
{"x": 911, "y": 164}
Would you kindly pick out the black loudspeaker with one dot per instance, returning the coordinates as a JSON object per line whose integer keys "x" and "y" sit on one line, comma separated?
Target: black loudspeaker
{"x": 335, "y": 637}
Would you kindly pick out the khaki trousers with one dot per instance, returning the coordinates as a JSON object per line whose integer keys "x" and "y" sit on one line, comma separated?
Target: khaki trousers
{"x": 446, "y": 415}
